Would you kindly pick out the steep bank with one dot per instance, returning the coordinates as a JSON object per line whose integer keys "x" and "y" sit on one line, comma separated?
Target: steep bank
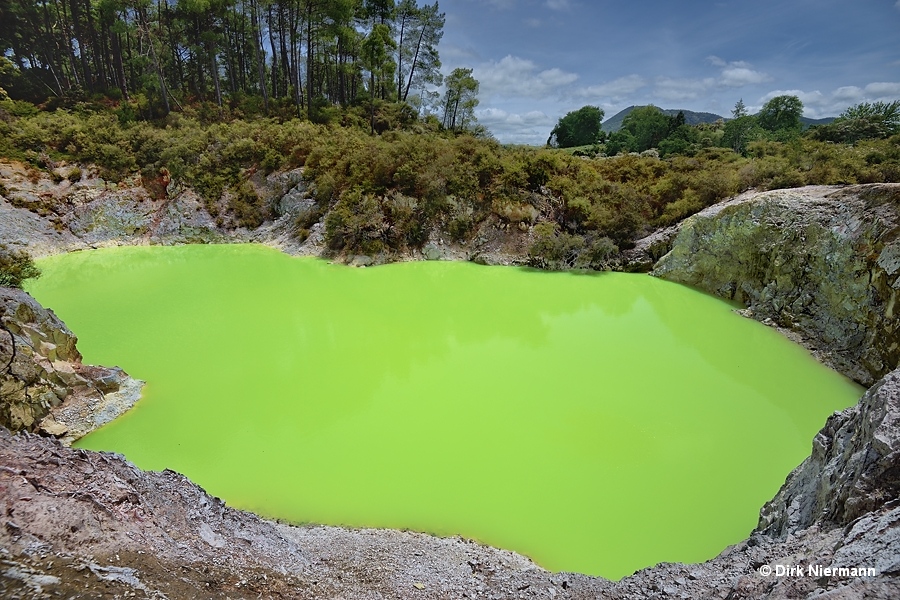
{"x": 46, "y": 216}
{"x": 821, "y": 262}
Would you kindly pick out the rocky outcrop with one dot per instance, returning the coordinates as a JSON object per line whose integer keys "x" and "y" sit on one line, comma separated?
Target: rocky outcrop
{"x": 823, "y": 262}
{"x": 47, "y": 217}
{"x": 854, "y": 468}
{"x": 44, "y": 216}
{"x": 43, "y": 384}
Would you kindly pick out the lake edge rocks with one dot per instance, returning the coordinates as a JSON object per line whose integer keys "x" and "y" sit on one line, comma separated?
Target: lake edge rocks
{"x": 45, "y": 386}
{"x": 822, "y": 262}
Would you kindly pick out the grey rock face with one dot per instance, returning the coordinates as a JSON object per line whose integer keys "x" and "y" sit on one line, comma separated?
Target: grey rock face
{"x": 43, "y": 384}
{"x": 820, "y": 261}
{"x": 854, "y": 468}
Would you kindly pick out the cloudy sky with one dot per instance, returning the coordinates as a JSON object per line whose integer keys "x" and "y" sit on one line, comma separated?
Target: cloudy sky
{"x": 538, "y": 59}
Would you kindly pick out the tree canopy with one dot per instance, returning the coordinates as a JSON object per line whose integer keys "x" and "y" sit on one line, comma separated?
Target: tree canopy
{"x": 460, "y": 100}
{"x": 648, "y": 127}
{"x": 578, "y": 128}
{"x": 15, "y": 267}
{"x": 864, "y": 121}
{"x": 781, "y": 115}
{"x": 740, "y": 129}
{"x": 254, "y": 55}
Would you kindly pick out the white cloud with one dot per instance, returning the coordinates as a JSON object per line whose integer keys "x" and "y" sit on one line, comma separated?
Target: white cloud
{"x": 884, "y": 90}
{"x": 850, "y": 93}
{"x": 518, "y": 77}
{"x": 738, "y": 73}
{"x": 733, "y": 74}
{"x": 739, "y": 76}
{"x": 616, "y": 89}
{"x": 527, "y": 128}
{"x": 669, "y": 88}
{"x": 814, "y": 98}
{"x": 535, "y": 23}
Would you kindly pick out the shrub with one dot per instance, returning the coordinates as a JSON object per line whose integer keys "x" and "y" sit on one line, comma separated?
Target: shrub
{"x": 356, "y": 224}
{"x": 248, "y": 208}
{"x": 16, "y": 266}
{"x": 556, "y": 251}
{"x": 688, "y": 204}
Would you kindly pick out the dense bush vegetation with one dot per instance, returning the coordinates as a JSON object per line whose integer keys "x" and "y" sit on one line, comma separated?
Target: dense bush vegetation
{"x": 386, "y": 192}
{"x": 580, "y": 127}
{"x": 15, "y": 267}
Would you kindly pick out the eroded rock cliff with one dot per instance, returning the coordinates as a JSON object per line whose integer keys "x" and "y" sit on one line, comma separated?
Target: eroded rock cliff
{"x": 47, "y": 217}
{"x": 823, "y": 262}
{"x": 44, "y": 386}
{"x": 854, "y": 468}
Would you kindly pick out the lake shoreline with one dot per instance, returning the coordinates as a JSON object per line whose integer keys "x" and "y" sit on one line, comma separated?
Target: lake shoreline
{"x": 816, "y": 492}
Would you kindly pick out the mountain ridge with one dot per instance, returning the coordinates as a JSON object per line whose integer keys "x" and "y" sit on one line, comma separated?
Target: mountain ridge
{"x": 691, "y": 117}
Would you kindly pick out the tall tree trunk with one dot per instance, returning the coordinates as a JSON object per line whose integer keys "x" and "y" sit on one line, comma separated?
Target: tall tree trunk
{"x": 372, "y": 99}
{"x": 132, "y": 75}
{"x": 342, "y": 72}
{"x": 270, "y": 17}
{"x": 162, "y": 81}
{"x": 96, "y": 53}
{"x": 54, "y": 65}
{"x": 70, "y": 50}
{"x": 309, "y": 61}
{"x": 412, "y": 67}
{"x": 116, "y": 43}
{"x": 214, "y": 70}
{"x": 87, "y": 76}
{"x": 165, "y": 17}
{"x": 260, "y": 57}
{"x": 400, "y": 60}
{"x": 282, "y": 47}
{"x": 294, "y": 20}
{"x": 109, "y": 74}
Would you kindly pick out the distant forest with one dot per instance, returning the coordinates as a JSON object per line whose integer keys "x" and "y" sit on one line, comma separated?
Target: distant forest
{"x": 258, "y": 55}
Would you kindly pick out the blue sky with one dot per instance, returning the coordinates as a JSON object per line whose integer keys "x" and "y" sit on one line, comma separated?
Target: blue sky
{"x": 538, "y": 59}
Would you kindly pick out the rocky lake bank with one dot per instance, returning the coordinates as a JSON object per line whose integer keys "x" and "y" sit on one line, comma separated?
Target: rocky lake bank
{"x": 821, "y": 263}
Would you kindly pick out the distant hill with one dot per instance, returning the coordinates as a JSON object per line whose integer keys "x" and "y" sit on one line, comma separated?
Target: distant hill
{"x": 807, "y": 123}
{"x": 614, "y": 123}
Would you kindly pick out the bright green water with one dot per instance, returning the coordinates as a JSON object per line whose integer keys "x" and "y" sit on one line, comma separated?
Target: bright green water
{"x": 597, "y": 423}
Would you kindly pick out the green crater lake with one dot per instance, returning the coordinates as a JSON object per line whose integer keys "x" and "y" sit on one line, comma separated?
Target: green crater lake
{"x": 596, "y": 423}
